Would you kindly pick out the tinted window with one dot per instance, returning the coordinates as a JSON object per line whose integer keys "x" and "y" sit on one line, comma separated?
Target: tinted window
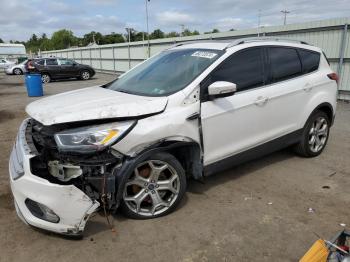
{"x": 309, "y": 60}
{"x": 285, "y": 63}
{"x": 51, "y": 62}
{"x": 244, "y": 68}
{"x": 66, "y": 62}
{"x": 40, "y": 62}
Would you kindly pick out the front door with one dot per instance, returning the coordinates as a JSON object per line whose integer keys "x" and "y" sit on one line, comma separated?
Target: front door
{"x": 68, "y": 68}
{"x": 239, "y": 122}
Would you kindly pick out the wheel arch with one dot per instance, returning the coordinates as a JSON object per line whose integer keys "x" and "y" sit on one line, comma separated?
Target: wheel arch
{"x": 13, "y": 70}
{"x": 47, "y": 73}
{"x": 325, "y": 107}
{"x": 85, "y": 69}
{"x": 187, "y": 153}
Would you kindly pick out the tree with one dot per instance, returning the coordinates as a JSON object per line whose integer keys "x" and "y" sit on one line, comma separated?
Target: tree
{"x": 213, "y": 31}
{"x": 172, "y": 34}
{"x": 1, "y": 41}
{"x": 156, "y": 34}
{"x": 132, "y": 33}
{"x": 112, "y": 38}
{"x": 92, "y": 37}
{"x": 63, "y": 39}
{"x": 195, "y": 32}
{"x": 188, "y": 32}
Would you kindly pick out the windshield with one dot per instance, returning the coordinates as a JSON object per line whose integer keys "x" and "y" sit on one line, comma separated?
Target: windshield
{"x": 165, "y": 73}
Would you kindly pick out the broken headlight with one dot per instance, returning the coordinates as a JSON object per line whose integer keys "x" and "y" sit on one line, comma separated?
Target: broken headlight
{"x": 92, "y": 138}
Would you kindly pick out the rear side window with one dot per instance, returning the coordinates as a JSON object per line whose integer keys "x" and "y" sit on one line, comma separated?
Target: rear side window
{"x": 66, "y": 62}
{"x": 285, "y": 63}
{"x": 40, "y": 62}
{"x": 244, "y": 68}
{"x": 309, "y": 60}
{"x": 51, "y": 62}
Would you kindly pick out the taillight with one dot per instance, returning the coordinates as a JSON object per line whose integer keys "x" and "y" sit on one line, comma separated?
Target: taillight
{"x": 333, "y": 76}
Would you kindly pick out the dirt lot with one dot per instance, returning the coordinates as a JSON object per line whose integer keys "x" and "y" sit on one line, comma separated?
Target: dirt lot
{"x": 255, "y": 212}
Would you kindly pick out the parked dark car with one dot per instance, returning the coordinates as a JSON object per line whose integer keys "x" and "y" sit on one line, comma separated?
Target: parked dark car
{"x": 59, "y": 68}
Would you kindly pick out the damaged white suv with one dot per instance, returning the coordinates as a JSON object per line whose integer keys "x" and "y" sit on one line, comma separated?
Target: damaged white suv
{"x": 188, "y": 112}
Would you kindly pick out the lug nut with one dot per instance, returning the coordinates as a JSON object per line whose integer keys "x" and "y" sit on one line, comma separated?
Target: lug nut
{"x": 146, "y": 190}
{"x": 153, "y": 191}
{"x": 146, "y": 184}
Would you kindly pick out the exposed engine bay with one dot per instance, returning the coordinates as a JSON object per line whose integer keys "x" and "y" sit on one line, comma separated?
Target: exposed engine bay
{"x": 90, "y": 172}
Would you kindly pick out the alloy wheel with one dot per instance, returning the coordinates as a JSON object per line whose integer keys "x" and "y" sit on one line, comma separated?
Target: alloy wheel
{"x": 318, "y": 134}
{"x": 45, "y": 78}
{"x": 152, "y": 189}
{"x": 17, "y": 71}
{"x": 85, "y": 75}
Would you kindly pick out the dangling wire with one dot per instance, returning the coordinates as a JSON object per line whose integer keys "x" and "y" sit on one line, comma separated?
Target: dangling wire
{"x": 104, "y": 202}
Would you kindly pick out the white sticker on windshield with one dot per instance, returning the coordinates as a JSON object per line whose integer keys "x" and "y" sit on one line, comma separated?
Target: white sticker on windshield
{"x": 204, "y": 54}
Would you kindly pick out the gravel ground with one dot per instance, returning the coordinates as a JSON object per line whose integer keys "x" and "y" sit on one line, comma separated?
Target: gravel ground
{"x": 255, "y": 212}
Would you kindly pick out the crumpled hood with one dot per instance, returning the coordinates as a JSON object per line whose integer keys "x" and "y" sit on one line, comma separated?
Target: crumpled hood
{"x": 91, "y": 104}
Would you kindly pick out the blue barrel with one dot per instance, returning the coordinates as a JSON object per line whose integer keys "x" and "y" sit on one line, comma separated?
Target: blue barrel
{"x": 34, "y": 84}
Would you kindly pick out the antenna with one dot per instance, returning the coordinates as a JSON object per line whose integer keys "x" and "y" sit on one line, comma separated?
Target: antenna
{"x": 259, "y": 17}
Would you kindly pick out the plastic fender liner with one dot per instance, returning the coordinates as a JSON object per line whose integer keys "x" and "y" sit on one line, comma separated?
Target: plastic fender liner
{"x": 129, "y": 164}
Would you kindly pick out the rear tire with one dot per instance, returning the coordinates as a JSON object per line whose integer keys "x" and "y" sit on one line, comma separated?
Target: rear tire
{"x": 315, "y": 135}
{"x": 17, "y": 71}
{"x": 45, "y": 78}
{"x": 85, "y": 75}
{"x": 155, "y": 188}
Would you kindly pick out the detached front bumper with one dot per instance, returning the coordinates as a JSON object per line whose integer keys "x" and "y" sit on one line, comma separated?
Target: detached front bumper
{"x": 71, "y": 205}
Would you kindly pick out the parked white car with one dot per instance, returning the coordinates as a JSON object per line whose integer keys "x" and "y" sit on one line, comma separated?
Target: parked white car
{"x": 190, "y": 111}
{"x": 4, "y": 63}
{"x": 16, "y": 69}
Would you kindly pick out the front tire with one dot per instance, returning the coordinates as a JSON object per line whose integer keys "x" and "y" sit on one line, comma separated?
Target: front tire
{"x": 85, "y": 75}
{"x": 155, "y": 188}
{"x": 315, "y": 135}
{"x": 17, "y": 71}
{"x": 45, "y": 78}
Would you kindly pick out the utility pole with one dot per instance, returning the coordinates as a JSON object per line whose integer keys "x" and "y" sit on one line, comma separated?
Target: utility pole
{"x": 259, "y": 17}
{"x": 182, "y": 29}
{"x": 285, "y": 12}
{"x": 148, "y": 43}
{"x": 129, "y": 30}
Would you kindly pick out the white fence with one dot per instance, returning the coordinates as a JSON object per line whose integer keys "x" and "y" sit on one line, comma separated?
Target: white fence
{"x": 331, "y": 35}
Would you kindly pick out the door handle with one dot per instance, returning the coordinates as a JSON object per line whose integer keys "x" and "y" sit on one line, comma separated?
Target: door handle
{"x": 260, "y": 101}
{"x": 307, "y": 87}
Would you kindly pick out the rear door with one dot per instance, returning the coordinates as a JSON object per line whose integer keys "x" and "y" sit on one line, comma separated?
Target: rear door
{"x": 53, "y": 68}
{"x": 288, "y": 90}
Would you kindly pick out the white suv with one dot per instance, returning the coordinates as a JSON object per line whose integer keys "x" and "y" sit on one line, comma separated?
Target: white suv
{"x": 188, "y": 112}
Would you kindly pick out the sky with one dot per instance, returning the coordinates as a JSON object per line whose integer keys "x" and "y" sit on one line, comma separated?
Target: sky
{"x": 19, "y": 19}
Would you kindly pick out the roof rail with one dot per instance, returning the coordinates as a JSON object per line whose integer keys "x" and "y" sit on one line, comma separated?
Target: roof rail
{"x": 192, "y": 42}
{"x": 257, "y": 39}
